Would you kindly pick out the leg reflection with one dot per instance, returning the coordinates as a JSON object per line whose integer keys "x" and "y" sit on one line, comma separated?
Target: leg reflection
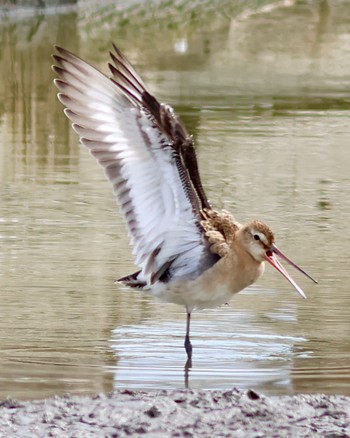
{"x": 188, "y": 347}
{"x": 188, "y": 366}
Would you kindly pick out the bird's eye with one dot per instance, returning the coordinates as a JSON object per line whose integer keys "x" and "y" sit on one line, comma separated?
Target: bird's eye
{"x": 256, "y": 237}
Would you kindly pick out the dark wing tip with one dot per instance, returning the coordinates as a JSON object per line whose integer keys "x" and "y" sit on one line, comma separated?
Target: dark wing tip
{"x": 61, "y": 50}
{"x": 118, "y": 51}
{"x": 58, "y": 69}
{"x": 60, "y": 57}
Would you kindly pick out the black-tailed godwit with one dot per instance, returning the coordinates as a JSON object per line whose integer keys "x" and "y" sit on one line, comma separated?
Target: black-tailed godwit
{"x": 187, "y": 252}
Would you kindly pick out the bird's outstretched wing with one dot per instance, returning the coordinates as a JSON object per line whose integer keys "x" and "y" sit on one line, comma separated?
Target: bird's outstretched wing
{"x": 148, "y": 157}
{"x": 167, "y": 121}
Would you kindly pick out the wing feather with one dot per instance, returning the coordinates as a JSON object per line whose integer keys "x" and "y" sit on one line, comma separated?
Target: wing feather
{"x": 164, "y": 116}
{"x": 147, "y": 171}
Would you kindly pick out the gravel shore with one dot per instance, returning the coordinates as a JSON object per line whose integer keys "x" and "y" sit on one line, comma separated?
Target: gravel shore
{"x": 180, "y": 413}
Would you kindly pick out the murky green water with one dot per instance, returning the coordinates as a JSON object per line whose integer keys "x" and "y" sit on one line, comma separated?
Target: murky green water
{"x": 267, "y": 98}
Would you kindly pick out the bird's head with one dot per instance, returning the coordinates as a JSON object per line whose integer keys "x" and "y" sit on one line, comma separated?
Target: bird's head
{"x": 258, "y": 240}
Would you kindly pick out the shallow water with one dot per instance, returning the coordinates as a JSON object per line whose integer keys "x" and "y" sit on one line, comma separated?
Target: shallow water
{"x": 266, "y": 96}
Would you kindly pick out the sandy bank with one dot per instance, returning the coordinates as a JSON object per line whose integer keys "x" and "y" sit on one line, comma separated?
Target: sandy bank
{"x": 180, "y": 413}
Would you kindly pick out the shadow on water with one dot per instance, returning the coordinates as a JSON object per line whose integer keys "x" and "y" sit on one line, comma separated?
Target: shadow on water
{"x": 265, "y": 91}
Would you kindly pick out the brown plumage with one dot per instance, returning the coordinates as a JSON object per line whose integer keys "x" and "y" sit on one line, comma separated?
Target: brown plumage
{"x": 187, "y": 252}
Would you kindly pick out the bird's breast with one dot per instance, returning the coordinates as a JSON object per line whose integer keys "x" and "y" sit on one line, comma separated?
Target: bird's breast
{"x": 214, "y": 287}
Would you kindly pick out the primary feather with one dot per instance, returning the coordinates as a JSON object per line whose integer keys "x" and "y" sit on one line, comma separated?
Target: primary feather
{"x": 148, "y": 157}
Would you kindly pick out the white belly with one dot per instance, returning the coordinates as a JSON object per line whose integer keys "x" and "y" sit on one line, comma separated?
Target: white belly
{"x": 212, "y": 289}
{"x": 191, "y": 295}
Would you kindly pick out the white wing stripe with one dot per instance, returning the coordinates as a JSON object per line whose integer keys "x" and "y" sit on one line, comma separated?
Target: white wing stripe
{"x": 77, "y": 94}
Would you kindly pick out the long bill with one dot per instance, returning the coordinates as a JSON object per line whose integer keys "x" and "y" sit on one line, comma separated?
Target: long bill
{"x": 273, "y": 260}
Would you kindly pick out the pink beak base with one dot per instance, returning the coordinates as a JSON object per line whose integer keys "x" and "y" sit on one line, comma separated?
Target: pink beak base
{"x": 272, "y": 259}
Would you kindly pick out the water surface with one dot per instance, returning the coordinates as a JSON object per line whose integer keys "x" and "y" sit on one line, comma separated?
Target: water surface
{"x": 266, "y": 96}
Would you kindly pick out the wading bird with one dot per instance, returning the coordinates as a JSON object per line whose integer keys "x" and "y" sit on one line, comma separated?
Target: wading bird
{"x": 187, "y": 252}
